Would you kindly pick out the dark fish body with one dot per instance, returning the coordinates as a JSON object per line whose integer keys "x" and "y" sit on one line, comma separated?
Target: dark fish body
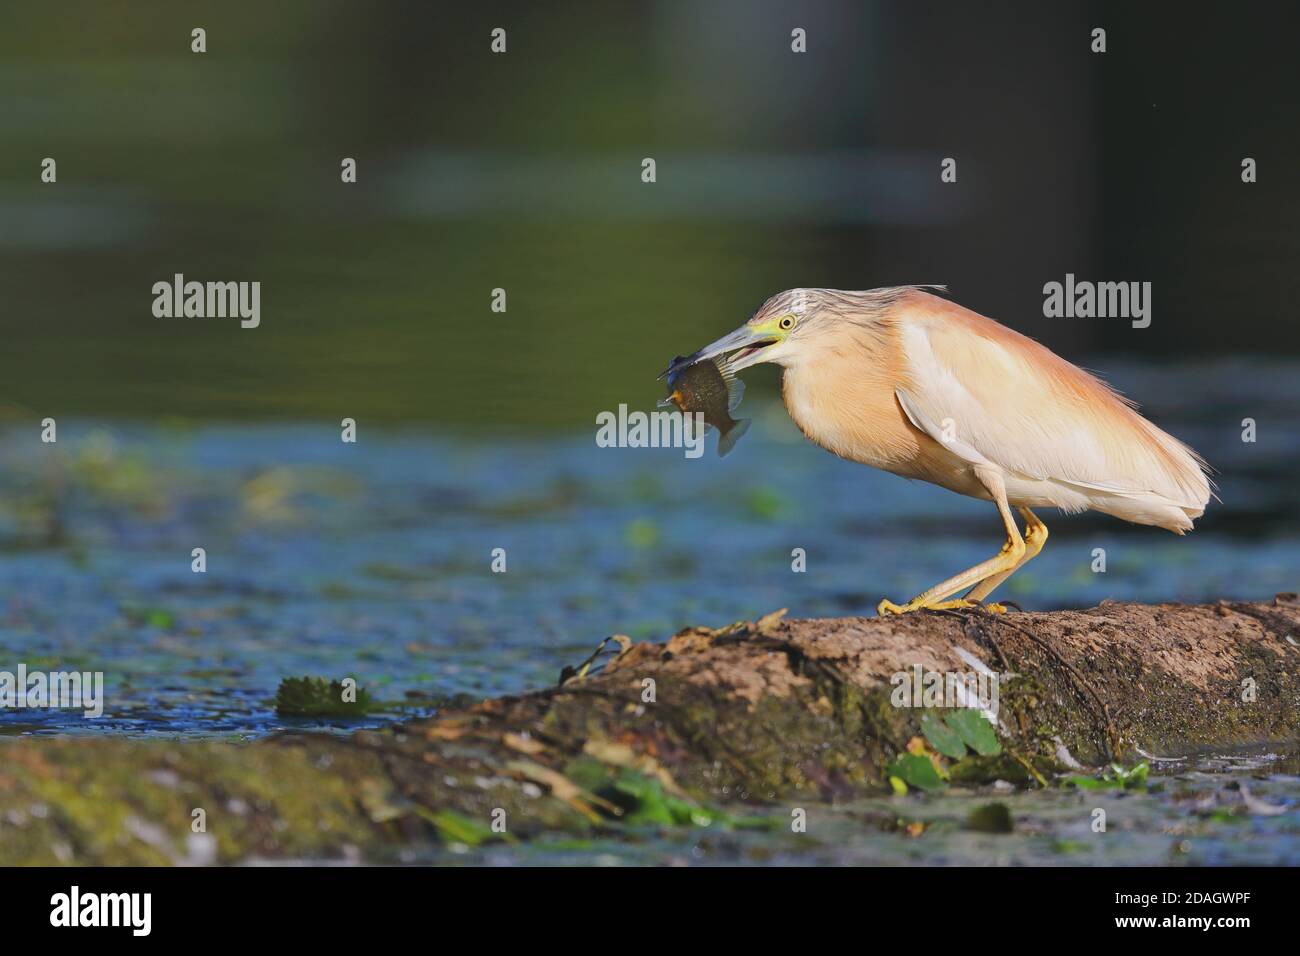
{"x": 709, "y": 387}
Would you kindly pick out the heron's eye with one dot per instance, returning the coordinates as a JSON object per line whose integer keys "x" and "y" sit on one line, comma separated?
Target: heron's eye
{"x": 786, "y": 323}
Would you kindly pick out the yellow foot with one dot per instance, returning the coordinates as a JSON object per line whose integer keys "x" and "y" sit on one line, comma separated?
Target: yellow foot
{"x": 889, "y": 607}
{"x": 992, "y": 607}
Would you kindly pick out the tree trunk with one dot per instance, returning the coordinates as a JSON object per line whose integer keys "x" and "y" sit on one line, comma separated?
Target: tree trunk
{"x": 710, "y": 722}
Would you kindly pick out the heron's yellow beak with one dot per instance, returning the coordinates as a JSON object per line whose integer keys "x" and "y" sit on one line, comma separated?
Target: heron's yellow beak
{"x": 749, "y": 342}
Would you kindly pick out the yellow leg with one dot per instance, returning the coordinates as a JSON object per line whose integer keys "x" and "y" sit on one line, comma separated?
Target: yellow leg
{"x": 1035, "y": 538}
{"x": 1005, "y": 560}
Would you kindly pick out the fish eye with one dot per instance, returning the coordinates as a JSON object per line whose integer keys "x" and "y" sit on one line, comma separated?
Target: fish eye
{"x": 786, "y": 323}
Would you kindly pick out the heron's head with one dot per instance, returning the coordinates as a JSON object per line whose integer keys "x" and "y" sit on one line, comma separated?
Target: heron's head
{"x": 792, "y": 325}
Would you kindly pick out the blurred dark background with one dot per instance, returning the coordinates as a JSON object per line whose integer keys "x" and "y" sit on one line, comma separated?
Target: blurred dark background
{"x": 522, "y": 171}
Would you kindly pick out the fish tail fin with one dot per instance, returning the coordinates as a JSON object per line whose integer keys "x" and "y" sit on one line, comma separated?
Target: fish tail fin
{"x": 735, "y": 387}
{"x": 728, "y": 441}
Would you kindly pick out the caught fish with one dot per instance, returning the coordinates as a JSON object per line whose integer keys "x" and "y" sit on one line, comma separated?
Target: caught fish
{"x": 709, "y": 387}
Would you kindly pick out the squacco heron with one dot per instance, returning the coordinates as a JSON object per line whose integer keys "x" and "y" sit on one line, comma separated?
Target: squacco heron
{"x": 916, "y": 385}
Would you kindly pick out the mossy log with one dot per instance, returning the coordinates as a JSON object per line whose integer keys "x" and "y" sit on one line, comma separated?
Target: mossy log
{"x": 717, "y": 721}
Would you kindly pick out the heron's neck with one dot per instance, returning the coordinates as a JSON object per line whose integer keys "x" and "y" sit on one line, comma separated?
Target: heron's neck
{"x": 841, "y": 396}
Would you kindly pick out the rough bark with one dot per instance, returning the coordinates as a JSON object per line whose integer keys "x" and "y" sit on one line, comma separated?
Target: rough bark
{"x": 751, "y": 714}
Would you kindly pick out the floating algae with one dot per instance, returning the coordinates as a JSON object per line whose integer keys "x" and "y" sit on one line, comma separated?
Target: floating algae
{"x": 314, "y": 697}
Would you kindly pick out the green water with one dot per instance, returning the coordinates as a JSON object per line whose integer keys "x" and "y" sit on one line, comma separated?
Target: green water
{"x": 1214, "y": 810}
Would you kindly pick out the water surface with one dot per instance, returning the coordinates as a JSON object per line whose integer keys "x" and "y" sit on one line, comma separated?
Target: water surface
{"x": 374, "y": 559}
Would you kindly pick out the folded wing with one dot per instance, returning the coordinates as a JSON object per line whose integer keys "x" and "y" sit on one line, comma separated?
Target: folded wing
{"x": 994, "y": 397}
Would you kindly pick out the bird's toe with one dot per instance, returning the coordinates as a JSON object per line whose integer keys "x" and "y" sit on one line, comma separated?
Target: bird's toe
{"x": 957, "y": 604}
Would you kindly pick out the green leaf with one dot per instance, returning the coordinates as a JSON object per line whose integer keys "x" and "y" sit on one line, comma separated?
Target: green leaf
{"x": 1131, "y": 779}
{"x": 942, "y": 737}
{"x": 1067, "y": 847}
{"x": 457, "y": 828}
{"x": 916, "y": 771}
{"x": 975, "y": 730}
{"x": 645, "y": 799}
{"x": 1113, "y": 778}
